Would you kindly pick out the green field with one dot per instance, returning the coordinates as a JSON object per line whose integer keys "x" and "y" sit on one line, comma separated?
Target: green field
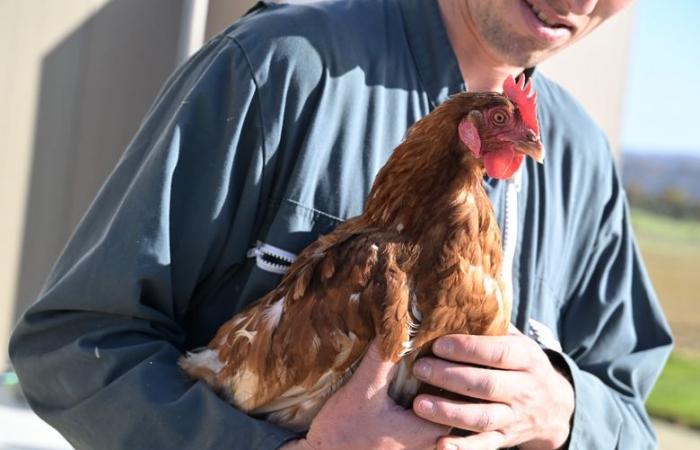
{"x": 671, "y": 250}
{"x": 676, "y": 396}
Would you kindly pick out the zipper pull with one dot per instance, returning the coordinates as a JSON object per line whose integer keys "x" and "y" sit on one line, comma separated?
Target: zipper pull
{"x": 270, "y": 258}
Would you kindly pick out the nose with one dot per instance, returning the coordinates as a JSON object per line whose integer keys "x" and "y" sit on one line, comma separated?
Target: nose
{"x": 531, "y": 136}
{"x": 582, "y": 7}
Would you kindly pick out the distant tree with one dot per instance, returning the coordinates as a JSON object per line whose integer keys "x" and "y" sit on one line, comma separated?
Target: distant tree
{"x": 676, "y": 202}
{"x": 636, "y": 195}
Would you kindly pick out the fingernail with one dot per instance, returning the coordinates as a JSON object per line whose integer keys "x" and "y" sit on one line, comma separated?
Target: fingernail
{"x": 443, "y": 347}
{"x": 422, "y": 369}
{"x": 426, "y": 406}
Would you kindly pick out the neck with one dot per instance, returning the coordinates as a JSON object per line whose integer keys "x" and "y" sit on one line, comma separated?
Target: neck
{"x": 424, "y": 180}
{"x": 481, "y": 70}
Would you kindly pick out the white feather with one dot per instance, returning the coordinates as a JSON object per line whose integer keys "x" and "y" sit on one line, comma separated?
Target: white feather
{"x": 414, "y": 307}
{"x": 407, "y": 347}
{"x": 206, "y": 358}
{"x": 273, "y": 313}
{"x": 244, "y": 333}
{"x": 470, "y": 199}
{"x": 346, "y": 348}
{"x": 404, "y": 386}
{"x": 316, "y": 342}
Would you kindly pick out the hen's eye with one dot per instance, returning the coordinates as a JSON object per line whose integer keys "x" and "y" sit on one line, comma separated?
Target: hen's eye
{"x": 499, "y": 118}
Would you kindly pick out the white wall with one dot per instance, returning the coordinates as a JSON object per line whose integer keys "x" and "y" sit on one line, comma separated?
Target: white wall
{"x": 595, "y": 69}
{"x": 28, "y": 31}
{"x": 76, "y": 78}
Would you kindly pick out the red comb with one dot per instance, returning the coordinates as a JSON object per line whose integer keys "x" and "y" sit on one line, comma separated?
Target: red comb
{"x": 522, "y": 95}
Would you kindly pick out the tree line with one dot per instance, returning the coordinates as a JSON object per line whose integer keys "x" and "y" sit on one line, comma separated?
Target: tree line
{"x": 672, "y": 202}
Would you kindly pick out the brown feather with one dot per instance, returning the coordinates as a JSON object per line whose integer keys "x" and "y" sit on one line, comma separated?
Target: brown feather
{"x": 422, "y": 261}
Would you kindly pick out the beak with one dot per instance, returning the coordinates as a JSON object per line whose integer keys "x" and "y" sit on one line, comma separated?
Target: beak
{"x": 532, "y": 147}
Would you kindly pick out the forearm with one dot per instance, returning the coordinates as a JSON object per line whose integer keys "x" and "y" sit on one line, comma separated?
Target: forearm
{"x": 96, "y": 354}
{"x": 614, "y": 336}
{"x": 604, "y": 418}
{"x": 117, "y": 391}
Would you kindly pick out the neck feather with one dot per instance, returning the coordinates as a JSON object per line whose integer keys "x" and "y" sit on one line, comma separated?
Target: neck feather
{"x": 425, "y": 180}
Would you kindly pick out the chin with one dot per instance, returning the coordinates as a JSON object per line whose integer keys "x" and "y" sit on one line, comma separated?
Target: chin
{"x": 528, "y": 59}
{"x": 508, "y": 43}
{"x": 526, "y": 54}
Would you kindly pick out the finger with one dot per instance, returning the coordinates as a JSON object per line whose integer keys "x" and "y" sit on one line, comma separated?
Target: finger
{"x": 374, "y": 374}
{"x": 490, "y": 440}
{"x": 479, "y": 382}
{"x": 512, "y": 352}
{"x": 468, "y": 416}
{"x": 417, "y": 432}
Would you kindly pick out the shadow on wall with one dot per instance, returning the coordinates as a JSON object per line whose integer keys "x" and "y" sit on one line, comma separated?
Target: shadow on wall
{"x": 96, "y": 86}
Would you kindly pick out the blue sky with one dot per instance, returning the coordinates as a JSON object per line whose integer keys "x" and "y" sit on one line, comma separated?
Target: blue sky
{"x": 662, "y": 98}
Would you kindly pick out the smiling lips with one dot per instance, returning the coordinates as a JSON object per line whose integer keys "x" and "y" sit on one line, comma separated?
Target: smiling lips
{"x": 546, "y": 20}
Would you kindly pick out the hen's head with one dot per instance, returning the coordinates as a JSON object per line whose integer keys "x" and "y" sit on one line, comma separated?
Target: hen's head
{"x": 502, "y": 129}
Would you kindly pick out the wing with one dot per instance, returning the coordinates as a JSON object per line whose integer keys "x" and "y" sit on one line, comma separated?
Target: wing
{"x": 283, "y": 356}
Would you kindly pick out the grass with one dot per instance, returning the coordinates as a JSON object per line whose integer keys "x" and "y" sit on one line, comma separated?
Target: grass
{"x": 676, "y": 396}
{"x": 671, "y": 250}
{"x": 665, "y": 228}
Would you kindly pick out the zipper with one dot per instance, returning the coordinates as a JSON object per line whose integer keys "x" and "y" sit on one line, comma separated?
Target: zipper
{"x": 270, "y": 258}
{"x": 510, "y": 229}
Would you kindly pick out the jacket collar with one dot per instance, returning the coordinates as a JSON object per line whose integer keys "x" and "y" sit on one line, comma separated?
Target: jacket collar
{"x": 427, "y": 38}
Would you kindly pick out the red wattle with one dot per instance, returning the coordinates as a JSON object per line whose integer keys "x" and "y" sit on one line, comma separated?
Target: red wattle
{"x": 502, "y": 164}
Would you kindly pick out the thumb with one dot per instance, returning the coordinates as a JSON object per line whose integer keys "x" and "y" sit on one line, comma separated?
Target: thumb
{"x": 374, "y": 374}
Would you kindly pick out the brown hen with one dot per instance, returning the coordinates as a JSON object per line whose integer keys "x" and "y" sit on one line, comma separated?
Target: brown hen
{"x": 423, "y": 260}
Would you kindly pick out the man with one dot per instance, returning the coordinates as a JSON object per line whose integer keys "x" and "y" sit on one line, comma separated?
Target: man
{"x": 272, "y": 134}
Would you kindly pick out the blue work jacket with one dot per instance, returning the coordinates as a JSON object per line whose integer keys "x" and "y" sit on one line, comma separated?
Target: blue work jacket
{"x": 269, "y": 136}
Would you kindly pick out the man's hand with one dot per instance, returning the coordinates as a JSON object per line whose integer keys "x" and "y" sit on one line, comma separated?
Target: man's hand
{"x": 361, "y": 415}
{"x": 528, "y": 403}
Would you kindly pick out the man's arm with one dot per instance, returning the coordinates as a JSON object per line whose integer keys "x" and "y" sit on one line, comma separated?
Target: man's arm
{"x": 614, "y": 336}
{"x": 96, "y": 355}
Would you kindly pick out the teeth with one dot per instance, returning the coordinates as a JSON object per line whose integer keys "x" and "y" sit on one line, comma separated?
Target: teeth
{"x": 543, "y": 17}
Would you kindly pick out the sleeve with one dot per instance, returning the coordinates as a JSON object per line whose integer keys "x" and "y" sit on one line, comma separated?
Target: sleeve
{"x": 615, "y": 338}
{"x": 96, "y": 354}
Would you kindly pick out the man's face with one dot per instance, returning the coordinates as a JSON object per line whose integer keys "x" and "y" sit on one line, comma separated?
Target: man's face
{"x": 525, "y": 32}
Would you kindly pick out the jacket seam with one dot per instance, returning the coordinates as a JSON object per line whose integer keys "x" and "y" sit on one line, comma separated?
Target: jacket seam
{"x": 316, "y": 212}
{"x": 176, "y": 312}
{"x": 261, "y": 118}
{"x": 558, "y": 298}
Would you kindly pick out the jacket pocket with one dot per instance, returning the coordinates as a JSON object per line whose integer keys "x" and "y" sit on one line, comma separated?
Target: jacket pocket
{"x": 291, "y": 228}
